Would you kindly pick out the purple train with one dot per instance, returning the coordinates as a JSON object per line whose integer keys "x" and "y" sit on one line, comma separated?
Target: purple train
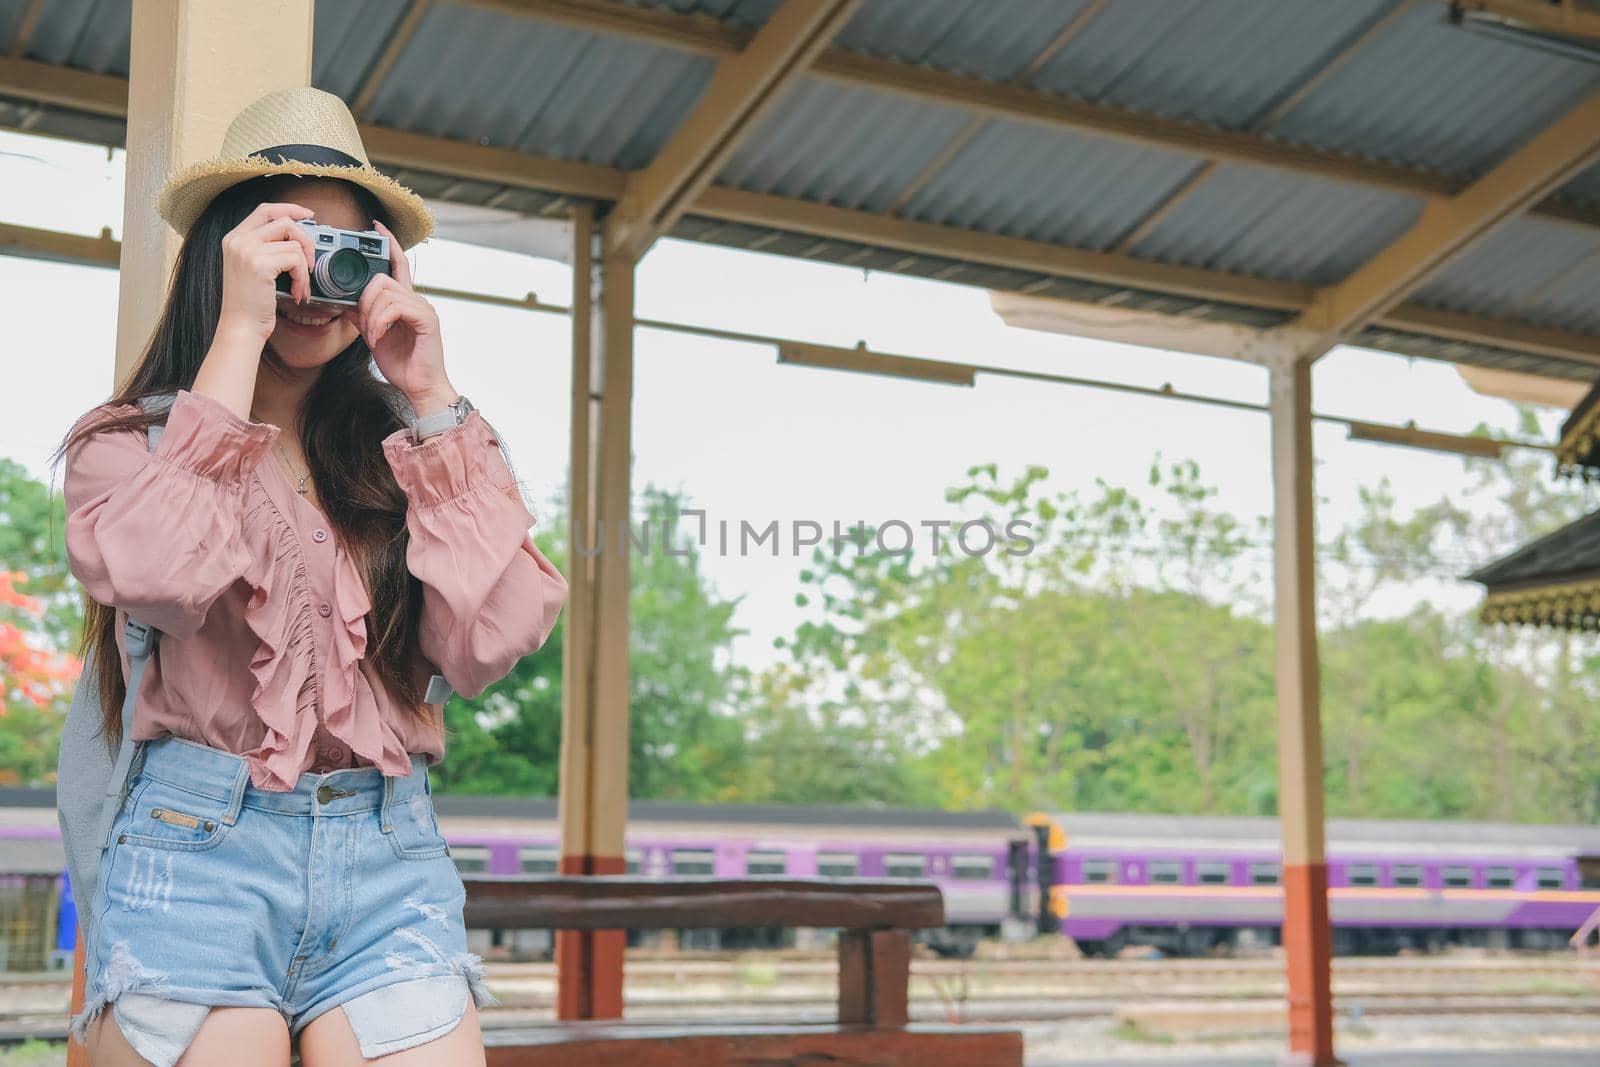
{"x": 1196, "y": 885}
{"x": 1184, "y": 885}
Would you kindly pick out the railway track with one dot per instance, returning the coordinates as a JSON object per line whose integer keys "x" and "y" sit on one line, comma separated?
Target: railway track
{"x": 992, "y": 991}
{"x": 51, "y": 1026}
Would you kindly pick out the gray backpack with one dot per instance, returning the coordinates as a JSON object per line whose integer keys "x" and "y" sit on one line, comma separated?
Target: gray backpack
{"x": 90, "y": 786}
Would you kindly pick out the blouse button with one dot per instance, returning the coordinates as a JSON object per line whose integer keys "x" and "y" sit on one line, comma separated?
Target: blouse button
{"x": 324, "y": 610}
{"x": 319, "y": 535}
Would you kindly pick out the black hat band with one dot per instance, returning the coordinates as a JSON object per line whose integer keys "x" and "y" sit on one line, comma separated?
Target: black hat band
{"x": 307, "y": 153}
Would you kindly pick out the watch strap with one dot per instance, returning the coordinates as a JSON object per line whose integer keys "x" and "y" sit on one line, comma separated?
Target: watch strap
{"x": 428, "y": 425}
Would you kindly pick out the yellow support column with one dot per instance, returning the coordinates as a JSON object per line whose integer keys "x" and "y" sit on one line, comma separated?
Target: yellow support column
{"x": 1307, "y": 939}
{"x": 191, "y": 67}
{"x": 594, "y": 735}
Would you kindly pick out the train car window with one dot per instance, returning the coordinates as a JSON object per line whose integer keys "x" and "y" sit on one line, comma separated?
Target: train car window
{"x": 838, "y": 864}
{"x": 1458, "y": 877}
{"x": 1407, "y": 875}
{"x": 695, "y": 861}
{"x": 1589, "y": 872}
{"x": 904, "y": 865}
{"x": 1099, "y": 870}
{"x": 470, "y": 858}
{"x": 1551, "y": 878}
{"x": 1166, "y": 872}
{"x": 635, "y": 860}
{"x": 1213, "y": 872}
{"x": 539, "y": 860}
{"x": 1500, "y": 878}
{"x": 972, "y": 868}
{"x": 1362, "y": 874}
{"x": 766, "y": 863}
{"x": 1266, "y": 873}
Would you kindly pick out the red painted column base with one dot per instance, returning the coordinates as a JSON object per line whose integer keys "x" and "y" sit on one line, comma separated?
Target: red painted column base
{"x": 1308, "y": 945}
{"x": 589, "y": 962}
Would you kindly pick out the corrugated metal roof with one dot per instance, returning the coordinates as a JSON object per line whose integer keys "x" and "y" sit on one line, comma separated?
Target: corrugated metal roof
{"x": 349, "y": 36}
{"x": 1537, "y": 270}
{"x": 1436, "y": 96}
{"x": 827, "y": 144}
{"x": 994, "y": 41}
{"x": 1227, "y": 64}
{"x": 1049, "y": 185}
{"x": 509, "y": 82}
{"x": 1276, "y": 225}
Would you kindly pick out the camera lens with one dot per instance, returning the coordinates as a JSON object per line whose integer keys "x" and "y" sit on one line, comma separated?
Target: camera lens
{"x": 342, "y": 273}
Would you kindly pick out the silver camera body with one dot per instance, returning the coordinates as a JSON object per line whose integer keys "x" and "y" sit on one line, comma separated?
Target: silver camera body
{"x": 346, "y": 260}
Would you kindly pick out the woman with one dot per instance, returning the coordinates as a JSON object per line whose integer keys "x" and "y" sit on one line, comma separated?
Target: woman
{"x": 312, "y": 543}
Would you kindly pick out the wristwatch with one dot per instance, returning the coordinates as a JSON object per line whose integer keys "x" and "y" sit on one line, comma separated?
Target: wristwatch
{"x": 440, "y": 421}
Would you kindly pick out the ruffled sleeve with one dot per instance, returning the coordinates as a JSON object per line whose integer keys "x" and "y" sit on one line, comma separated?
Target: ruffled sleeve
{"x": 161, "y": 534}
{"x": 490, "y": 596}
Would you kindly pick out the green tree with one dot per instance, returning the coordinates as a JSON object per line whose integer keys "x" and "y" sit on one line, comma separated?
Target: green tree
{"x": 683, "y": 733}
{"x": 32, "y": 541}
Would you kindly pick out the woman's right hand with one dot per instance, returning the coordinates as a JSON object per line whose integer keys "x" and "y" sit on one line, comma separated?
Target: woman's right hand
{"x": 267, "y": 243}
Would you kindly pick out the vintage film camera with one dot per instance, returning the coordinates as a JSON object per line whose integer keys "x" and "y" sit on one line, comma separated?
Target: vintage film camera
{"x": 345, "y": 261}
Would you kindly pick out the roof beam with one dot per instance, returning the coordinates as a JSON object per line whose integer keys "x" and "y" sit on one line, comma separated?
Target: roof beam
{"x": 1447, "y": 228}
{"x": 932, "y": 239}
{"x": 742, "y": 92}
{"x": 57, "y": 247}
{"x": 47, "y": 83}
{"x": 703, "y": 35}
{"x": 1498, "y": 333}
{"x": 1547, "y": 16}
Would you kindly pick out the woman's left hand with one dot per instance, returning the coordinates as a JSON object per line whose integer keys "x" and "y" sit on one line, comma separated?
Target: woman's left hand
{"x": 402, "y": 329}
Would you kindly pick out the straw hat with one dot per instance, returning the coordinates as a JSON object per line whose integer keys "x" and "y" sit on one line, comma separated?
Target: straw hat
{"x": 302, "y": 130}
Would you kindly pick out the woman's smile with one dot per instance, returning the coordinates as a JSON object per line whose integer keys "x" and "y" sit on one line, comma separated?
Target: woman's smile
{"x": 302, "y": 320}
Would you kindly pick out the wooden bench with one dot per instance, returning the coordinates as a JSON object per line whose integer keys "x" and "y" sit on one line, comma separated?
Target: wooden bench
{"x": 874, "y": 920}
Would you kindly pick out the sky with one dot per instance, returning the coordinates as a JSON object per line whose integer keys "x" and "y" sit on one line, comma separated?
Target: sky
{"x": 748, "y": 439}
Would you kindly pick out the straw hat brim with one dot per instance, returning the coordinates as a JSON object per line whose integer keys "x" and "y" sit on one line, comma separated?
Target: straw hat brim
{"x": 188, "y": 191}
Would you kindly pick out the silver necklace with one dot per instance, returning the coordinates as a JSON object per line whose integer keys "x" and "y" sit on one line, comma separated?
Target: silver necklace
{"x": 301, "y": 488}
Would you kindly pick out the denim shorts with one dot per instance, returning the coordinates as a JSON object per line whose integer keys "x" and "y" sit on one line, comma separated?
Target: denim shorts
{"x": 338, "y": 893}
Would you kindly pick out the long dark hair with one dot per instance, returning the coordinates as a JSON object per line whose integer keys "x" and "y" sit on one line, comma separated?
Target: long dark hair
{"x": 345, "y": 417}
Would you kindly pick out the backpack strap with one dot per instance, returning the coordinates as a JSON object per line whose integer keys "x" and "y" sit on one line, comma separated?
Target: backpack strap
{"x": 141, "y": 641}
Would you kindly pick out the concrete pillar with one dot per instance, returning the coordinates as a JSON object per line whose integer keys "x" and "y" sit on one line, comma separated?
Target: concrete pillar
{"x": 1306, "y": 935}
{"x": 191, "y": 70}
{"x": 594, "y": 734}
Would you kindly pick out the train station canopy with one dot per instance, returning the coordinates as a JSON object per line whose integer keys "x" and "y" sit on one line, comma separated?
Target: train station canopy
{"x": 1409, "y": 175}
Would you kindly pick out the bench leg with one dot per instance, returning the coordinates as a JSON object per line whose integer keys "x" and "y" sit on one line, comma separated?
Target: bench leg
{"x": 874, "y": 974}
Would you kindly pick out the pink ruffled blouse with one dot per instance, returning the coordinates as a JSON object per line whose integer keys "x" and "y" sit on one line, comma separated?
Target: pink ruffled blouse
{"x": 262, "y": 613}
